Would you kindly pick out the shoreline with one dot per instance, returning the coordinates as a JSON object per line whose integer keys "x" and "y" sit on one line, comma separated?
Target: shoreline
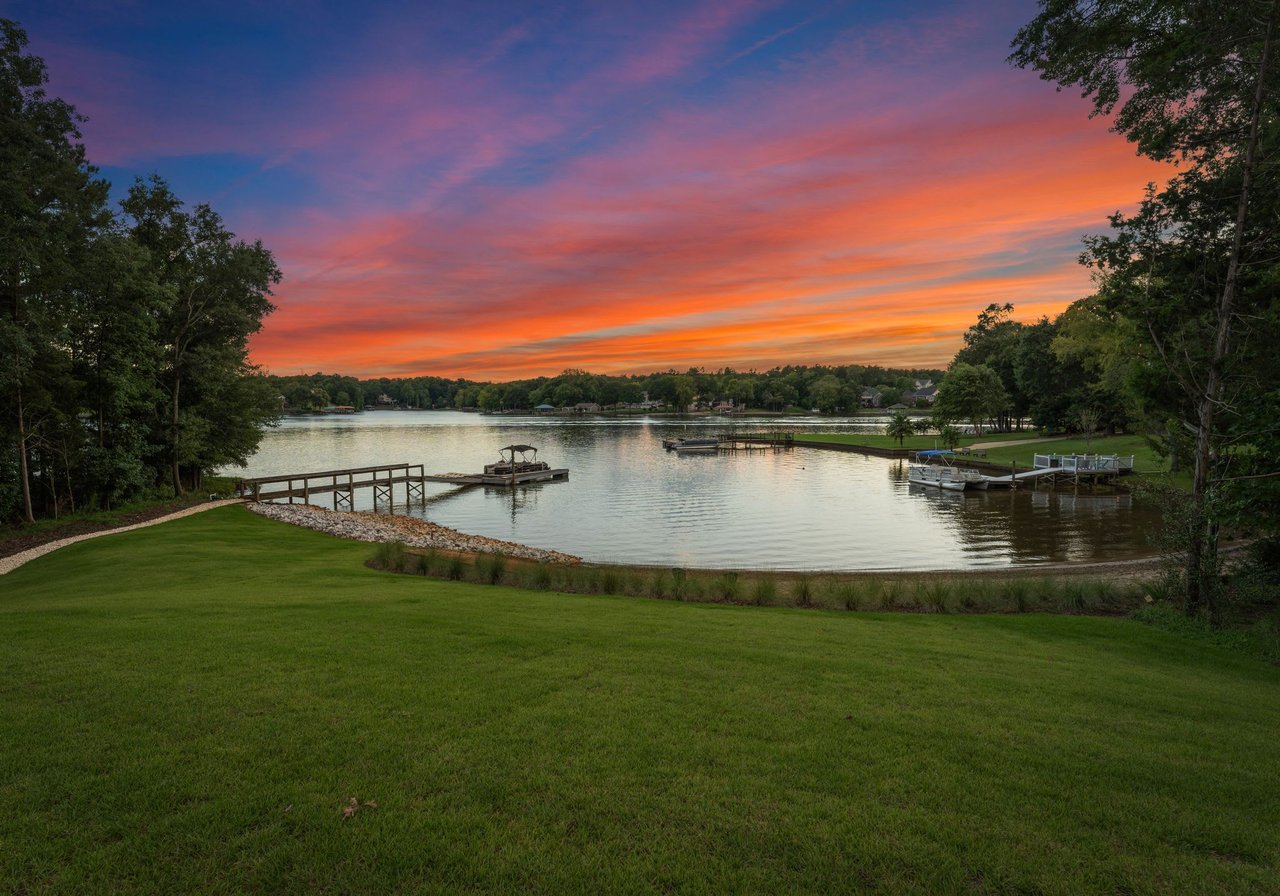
{"x": 417, "y": 533}
{"x": 377, "y": 528}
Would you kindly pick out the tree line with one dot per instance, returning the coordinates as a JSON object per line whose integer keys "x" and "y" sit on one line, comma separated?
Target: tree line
{"x": 1180, "y": 337}
{"x": 123, "y": 332}
{"x": 1179, "y": 342}
{"x": 829, "y": 389}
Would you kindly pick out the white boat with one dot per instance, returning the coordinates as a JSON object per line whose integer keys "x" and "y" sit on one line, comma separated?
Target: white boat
{"x": 941, "y": 474}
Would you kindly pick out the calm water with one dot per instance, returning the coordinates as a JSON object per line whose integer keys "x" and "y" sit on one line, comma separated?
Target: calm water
{"x": 629, "y": 501}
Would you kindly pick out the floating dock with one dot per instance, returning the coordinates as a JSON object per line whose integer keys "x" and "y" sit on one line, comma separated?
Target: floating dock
{"x": 499, "y": 479}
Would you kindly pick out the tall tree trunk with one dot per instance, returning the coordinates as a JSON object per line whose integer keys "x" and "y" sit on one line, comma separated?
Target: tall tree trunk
{"x": 1207, "y": 406}
{"x": 24, "y": 469}
{"x": 177, "y": 474}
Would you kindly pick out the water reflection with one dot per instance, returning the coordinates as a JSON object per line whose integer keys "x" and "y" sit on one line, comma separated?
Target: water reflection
{"x": 628, "y": 500}
{"x": 1038, "y": 526}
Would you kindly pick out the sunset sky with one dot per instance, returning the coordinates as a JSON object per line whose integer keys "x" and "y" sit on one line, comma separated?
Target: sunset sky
{"x": 500, "y": 190}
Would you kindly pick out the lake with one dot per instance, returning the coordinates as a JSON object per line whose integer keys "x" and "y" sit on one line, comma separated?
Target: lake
{"x": 627, "y": 500}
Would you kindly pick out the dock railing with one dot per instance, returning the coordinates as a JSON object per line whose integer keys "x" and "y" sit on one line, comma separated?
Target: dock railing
{"x": 342, "y": 484}
{"x": 1083, "y": 463}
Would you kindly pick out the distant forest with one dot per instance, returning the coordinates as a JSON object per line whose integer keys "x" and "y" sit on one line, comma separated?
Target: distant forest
{"x": 826, "y": 389}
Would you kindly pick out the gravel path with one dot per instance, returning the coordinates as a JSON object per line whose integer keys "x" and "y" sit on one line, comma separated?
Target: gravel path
{"x": 13, "y": 561}
{"x": 414, "y": 532}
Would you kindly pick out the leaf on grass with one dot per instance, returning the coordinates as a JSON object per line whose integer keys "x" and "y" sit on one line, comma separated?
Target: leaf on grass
{"x": 354, "y": 805}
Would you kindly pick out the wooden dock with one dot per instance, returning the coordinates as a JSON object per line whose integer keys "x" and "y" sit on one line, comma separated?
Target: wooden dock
{"x": 383, "y": 479}
{"x": 342, "y": 484}
{"x": 496, "y": 479}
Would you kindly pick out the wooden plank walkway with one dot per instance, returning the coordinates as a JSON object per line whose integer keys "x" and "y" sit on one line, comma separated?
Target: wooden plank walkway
{"x": 383, "y": 479}
{"x": 497, "y": 478}
{"x": 342, "y": 484}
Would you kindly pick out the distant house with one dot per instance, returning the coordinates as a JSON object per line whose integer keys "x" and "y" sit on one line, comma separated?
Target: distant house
{"x": 920, "y": 397}
{"x": 723, "y": 407}
{"x": 898, "y": 407}
{"x": 385, "y": 399}
{"x": 870, "y": 398}
{"x": 545, "y": 408}
{"x": 587, "y": 407}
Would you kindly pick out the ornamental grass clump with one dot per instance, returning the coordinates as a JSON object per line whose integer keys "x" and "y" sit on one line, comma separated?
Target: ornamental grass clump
{"x": 846, "y": 594}
{"x": 726, "y": 587}
{"x": 491, "y": 567}
{"x": 455, "y": 569}
{"x": 389, "y": 555}
{"x": 765, "y": 592}
{"x": 935, "y": 596}
{"x": 424, "y": 564}
{"x": 1016, "y": 595}
{"x": 890, "y": 594}
{"x": 678, "y": 583}
{"x": 802, "y": 591}
{"x": 659, "y": 585}
{"x": 541, "y": 577}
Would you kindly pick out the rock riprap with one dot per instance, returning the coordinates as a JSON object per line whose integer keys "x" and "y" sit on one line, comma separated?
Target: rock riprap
{"x": 363, "y": 526}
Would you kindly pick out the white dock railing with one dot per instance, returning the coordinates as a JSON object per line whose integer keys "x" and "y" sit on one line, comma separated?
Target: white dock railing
{"x": 1083, "y": 463}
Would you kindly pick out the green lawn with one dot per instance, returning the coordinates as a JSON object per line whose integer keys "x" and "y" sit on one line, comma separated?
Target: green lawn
{"x": 188, "y": 708}
{"x": 1145, "y": 460}
{"x": 930, "y": 440}
{"x": 873, "y": 440}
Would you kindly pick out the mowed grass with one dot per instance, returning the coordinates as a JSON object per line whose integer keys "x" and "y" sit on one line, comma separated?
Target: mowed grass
{"x": 1144, "y": 458}
{"x": 190, "y": 707}
{"x": 870, "y": 439}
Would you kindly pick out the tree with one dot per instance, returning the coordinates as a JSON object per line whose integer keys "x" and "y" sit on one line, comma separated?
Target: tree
{"x": 685, "y": 391}
{"x": 899, "y": 427}
{"x": 51, "y": 205}
{"x": 995, "y": 341}
{"x": 971, "y": 393}
{"x": 112, "y": 336}
{"x": 1192, "y": 82}
{"x": 827, "y": 394}
{"x": 949, "y": 436}
{"x": 215, "y": 291}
